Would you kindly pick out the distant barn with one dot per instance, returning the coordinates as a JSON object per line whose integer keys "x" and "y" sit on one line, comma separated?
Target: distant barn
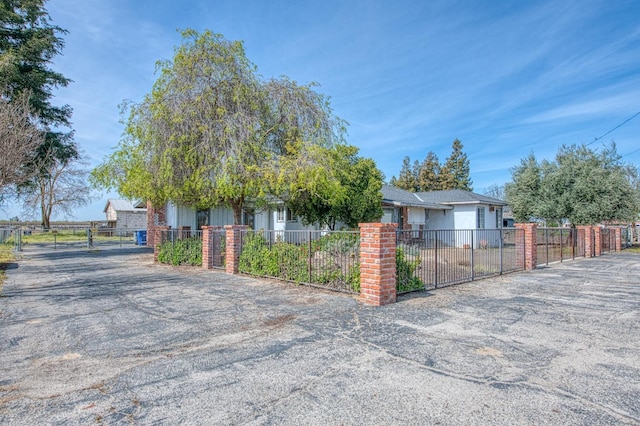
{"x": 121, "y": 214}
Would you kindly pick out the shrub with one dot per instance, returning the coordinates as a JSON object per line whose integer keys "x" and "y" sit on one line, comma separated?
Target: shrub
{"x": 405, "y": 272}
{"x": 187, "y": 251}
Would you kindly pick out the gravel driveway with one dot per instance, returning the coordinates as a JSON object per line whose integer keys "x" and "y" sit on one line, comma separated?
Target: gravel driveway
{"x": 109, "y": 337}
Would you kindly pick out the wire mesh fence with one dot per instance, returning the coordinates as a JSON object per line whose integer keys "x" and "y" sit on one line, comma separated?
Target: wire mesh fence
{"x": 67, "y": 237}
{"x": 180, "y": 247}
{"x": 438, "y": 258}
{"x": 324, "y": 259}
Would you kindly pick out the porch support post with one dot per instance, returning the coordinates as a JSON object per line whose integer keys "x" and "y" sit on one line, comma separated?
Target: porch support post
{"x": 378, "y": 263}
{"x": 529, "y": 244}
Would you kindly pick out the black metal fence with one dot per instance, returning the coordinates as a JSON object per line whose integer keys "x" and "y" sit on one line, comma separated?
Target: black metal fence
{"x": 558, "y": 244}
{"x": 180, "y": 247}
{"x": 217, "y": 249}
{"x": 324, "y": 259}
{"x": 433, "y": 259}
{"x": 607, "y": 240}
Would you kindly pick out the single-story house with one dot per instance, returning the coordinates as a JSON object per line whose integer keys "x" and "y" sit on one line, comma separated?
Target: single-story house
{"x": 451, "y": 210}
{"x": 122, "y": 214}
{"x": 278, "y": 219}
{"x": 417, "y": 212}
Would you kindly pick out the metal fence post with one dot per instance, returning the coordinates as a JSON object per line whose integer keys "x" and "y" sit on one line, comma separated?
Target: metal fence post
{"x": 309, "y": 257}
{"x": 472, "y": 259}
{"x": 435, "y": 277}
{"x": 500, "y": 248}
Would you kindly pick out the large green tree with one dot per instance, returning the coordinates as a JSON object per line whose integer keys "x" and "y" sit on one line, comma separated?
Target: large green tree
{"x": 582, "y": 185}
{"x": 213, "y": 131}
{"x": 346, "y": 188}
{"x": 28, "y": 44}
{"x": 455, "y": 173}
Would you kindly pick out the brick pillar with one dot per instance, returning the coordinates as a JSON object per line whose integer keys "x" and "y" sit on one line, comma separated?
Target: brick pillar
{"x": 211, "y": 246}
{"x": 233, "y": 246}
{"x": 156, "y": 216}
{"x": 588, "y": 239}
{"x": 618, "y": 232}
{"x": 597, "y": 233}
{"x": 157, "y": 231}
{"x": 527, "y": 244}
{"x": 378, "y": 263}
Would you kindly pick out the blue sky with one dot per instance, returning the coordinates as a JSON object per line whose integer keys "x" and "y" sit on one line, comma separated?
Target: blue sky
{"x": 505, "y": 77}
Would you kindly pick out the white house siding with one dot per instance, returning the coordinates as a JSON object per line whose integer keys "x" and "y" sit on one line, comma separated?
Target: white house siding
{"x": 179, "y": 215}
{"x": 220, "y": 216}
{"x": 111, "y": 213}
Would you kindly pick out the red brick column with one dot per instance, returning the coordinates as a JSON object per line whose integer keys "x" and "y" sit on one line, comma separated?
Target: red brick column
{"x": 157, "y": 230}
{"x": 378, "y": 263}
{"x": 528, "y": 243}
{"x": 597, "y": 232}
{"x": 211, "y": 250}
{"x": 156, "y": 216}
{"x": 233, "y": 246}
{"x": 588, "y": 239}
{"x": 618, "y": 231}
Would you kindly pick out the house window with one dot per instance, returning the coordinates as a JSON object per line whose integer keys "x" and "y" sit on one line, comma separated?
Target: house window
{"x": 480, "y": 217}
{"x": 285, "y": 214}
{"x": 202, "y": 217}
{"x": 498, "y": 218}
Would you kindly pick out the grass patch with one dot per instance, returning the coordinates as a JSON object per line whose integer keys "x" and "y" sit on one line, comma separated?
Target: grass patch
{"x": 6, "y": 257}
{"x": 633, "y": 249}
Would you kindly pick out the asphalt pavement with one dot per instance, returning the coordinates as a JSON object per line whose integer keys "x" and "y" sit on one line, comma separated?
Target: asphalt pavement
{"x": 106, "y": 336}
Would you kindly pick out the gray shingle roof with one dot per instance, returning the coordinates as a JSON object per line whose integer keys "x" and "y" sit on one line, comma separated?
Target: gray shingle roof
{"x": 400, "y": 197}
{"x": 458, "y": 196}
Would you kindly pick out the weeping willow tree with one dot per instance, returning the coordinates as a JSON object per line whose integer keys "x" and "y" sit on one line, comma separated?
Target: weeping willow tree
{"x": 212, "y": 130}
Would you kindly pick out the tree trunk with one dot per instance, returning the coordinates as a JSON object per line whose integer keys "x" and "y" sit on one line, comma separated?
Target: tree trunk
{"x": 236, "y": 206}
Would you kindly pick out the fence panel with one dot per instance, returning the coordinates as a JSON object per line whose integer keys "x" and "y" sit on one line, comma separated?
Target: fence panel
{"x": 558, "y": 244}
{"x": 433, "y": 259}
{"x": 324, "y": 259}
{"x": 579, "y": 243}
{"x": 605, "y": 240}
{"x": 180, "y": 247}
{"x": 217, "y": 259}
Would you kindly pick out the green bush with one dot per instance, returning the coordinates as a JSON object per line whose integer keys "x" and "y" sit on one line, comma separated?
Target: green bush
{"x": 291, "y": 262}
{"x": 187, "y": 251}
{"x": 406, "y": 280}
{"x": 336, "y": 243}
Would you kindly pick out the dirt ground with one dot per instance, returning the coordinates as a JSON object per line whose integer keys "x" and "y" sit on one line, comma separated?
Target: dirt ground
{"x": 108, "y": 337}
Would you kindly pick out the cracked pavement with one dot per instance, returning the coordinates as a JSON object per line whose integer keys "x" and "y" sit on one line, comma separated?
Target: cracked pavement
{"x": 108, "y": 337}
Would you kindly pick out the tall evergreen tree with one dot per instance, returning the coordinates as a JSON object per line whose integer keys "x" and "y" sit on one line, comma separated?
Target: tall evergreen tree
{"x": 28, "y": 43}
{"x": 429, "y": 173}
{"x": 455, "y": 171}
{"x": 407, "y": 178}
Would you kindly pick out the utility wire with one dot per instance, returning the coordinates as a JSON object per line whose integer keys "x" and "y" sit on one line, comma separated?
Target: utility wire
{"x": 615, "y": 128}
{"x": 629, "y": 153}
